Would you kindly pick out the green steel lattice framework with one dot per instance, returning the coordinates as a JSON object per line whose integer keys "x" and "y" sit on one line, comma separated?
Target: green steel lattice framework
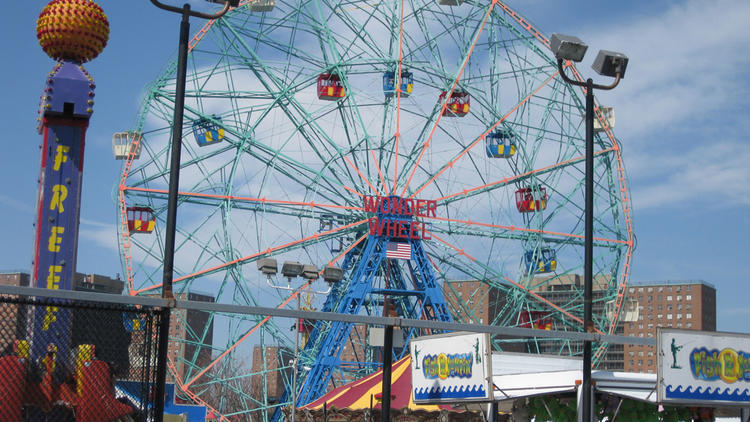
{"x": 288, "y": 177}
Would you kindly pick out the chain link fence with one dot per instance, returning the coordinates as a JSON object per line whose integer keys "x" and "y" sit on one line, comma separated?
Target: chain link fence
{"x": 71, "y": 360}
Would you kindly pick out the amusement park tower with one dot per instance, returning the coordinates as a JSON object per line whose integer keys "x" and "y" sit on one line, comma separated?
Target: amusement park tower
{"x": 71, "y": 32}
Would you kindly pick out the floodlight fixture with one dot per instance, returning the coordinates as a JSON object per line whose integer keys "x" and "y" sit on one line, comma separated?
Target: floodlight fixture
{"x": 310, "y": 272}
{"x": 268, "y": 266}
{"x": 610, "y": 63}
{"x": 291, "y": 269}
{"x": 333, "y": 274}
{"x": 567, "y": 47}
{"x": 232, "y": 3}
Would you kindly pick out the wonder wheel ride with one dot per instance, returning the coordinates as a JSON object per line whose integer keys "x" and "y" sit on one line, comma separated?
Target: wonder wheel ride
{"x": 428, "y": 149}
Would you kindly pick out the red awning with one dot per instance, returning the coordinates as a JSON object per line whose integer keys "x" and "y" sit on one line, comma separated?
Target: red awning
{"x": 356, "y": 395}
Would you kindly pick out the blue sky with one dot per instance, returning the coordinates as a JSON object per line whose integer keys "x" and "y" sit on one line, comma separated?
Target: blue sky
{"x": 681, "y": 118}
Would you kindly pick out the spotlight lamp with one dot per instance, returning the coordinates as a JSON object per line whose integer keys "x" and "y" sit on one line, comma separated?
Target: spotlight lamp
{"x": 291, "y": 269}
{"x": 310, "y": 272}
{"x": 268, "y": 266}
{"x": 610, "y": 63}
{"x": 333, "y": 274}
{"x": 567, "y": 47}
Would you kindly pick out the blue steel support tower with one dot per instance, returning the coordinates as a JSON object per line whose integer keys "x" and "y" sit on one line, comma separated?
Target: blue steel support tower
{"x": 411, "y": 286}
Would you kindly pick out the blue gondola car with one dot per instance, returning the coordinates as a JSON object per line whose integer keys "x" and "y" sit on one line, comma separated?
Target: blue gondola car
{"x": 500, "y": 144}
{"x": 208, "y": 131}
{"x": 133, "y": 321}
{"x": 389, "y": 83}
{"x": 541, "y": 261}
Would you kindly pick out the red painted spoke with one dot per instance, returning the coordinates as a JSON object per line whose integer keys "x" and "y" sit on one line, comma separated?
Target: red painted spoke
{"x": 508, "y": 180}
{"x": 526, "y": 230}
{"x": 361, "y": 175}
{"x": 397, "y": 78}
{"x": 380, "y": 174}
{"x": 268, "y": 318}
{"x": 447, "y": 97}
{"x": 255, "y": 255}
{"x": 263, "y": 200}
{"x": 482, "y": 136}
{"x": 537, "y": 296}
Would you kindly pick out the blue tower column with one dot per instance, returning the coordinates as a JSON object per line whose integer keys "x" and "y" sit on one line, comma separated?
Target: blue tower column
{"x": 412, "y": 287}
{"x": 66, "y": 105}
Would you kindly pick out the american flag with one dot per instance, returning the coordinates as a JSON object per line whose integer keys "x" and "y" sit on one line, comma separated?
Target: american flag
{"x": 398, "y": 250}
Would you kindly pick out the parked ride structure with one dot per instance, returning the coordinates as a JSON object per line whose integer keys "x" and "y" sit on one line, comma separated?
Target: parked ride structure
{"x": 333, "y": 153}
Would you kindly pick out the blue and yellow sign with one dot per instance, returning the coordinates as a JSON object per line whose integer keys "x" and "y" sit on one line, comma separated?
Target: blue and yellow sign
{"x": 57, "y": 229}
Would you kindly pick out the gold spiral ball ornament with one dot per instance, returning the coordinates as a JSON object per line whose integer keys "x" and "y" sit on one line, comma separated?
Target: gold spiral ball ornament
{"x": 75, "y": 30}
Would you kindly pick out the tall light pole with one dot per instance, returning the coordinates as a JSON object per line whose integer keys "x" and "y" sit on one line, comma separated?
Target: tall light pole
{"x": 174, "y": 182}
{"x": 612, "y": 64}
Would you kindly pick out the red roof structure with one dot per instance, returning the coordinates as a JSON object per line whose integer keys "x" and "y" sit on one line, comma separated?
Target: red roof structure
{"x": 356, "y": 395}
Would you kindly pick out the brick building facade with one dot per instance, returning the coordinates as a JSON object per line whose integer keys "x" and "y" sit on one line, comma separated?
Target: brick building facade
{"x": 688, "y": 305}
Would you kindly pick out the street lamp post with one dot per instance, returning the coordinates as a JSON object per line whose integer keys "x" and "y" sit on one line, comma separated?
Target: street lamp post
{"x": 612, "y": 64}
{"x": 174, "y": 182}
{"x": 309, "y": 272}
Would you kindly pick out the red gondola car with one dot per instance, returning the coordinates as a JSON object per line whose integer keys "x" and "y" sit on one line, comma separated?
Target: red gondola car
{"x": 330, "y": 87}
{"x": 458, "y": 103}
{"x": 535, "y": 319}
{"x": 531, "y": 199}
{"x": 141, "y": 219}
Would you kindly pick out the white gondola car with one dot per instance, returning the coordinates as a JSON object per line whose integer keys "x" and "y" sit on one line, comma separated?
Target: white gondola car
{"x": 628, "y": 313}
{"x": 609, "y": 117}
{"x": 262, "y": 5}
{"x": 123, "y": 143}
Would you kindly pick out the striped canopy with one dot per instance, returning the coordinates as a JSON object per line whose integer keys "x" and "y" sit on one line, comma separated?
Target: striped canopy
{"x": 356, "y": 395}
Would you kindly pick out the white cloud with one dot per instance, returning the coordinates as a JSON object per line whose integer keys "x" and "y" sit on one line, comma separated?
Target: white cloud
{"x": 680, "y": 109}
{"x": 683, "y": 64}
{"x": 719, "y": 172}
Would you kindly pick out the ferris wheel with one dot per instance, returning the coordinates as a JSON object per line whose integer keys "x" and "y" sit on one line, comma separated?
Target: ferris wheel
{"x": 335, "y": 134}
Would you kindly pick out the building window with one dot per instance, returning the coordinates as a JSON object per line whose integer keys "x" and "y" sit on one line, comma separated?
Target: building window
{"x": 650, "y": 289}
{"x": 689, "y": 324}
{"x": 660, "y": 316}
{"x": 659, "y": 307}
{"x": 650, "y": 362}
{"x": 679, "y": 306}
{"x": 679, "y": 297}
{"x": 650, "y": 326}
{"x": 661, "y": 288}
{"x": 679, "y": 325}
{"x": 640, "y": 362}
{"x": 640, "y": 289}
{"x": 650, "y": 353}
{"x": 669, "y": 288}
{"x": 650, "y": 308}
{"x": 669, "y": 325}
{"x": 679, "y": 316}
{"x": 631, "y": 290}
{"x": 688, "y": 316}
{"x": 669, "y": 307}
{"x": 631, "y": 353}
{"x": 688, "y": 306}
{"x": 640, "y": 317}
{"x": 659, "y": 297}
{"x": 632, "y": 362}
{"x": 688, "y": 297}
{"x": 669, "y": 298}
{"x": 650, "y": 371}
{"x": 640, "y": 326}
{"x": 650, "y": 334}
{"x": 687, "y": 288}
{"x": 669, "y": 316}
{"x": 650, "y": 298}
